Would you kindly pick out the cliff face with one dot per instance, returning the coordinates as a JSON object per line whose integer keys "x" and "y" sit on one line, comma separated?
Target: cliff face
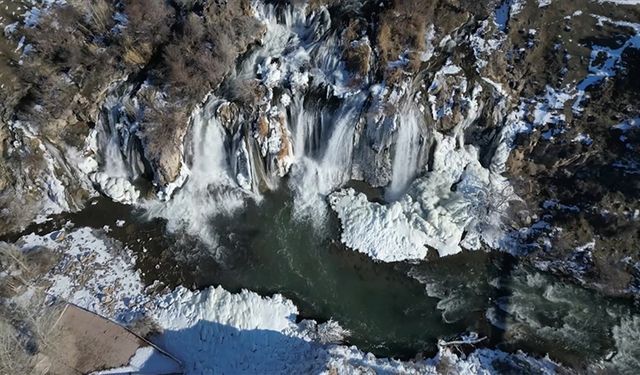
{"x": 506, "y": 124}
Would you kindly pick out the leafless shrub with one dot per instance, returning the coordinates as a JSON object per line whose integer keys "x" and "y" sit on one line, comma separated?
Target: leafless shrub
{"x": 246, "y": 92}
{"x": 27, "y": 333}
{"x": 21, "y": 268}
{"x": 98, "y": 14}
{"x": 356, "y": 54}
{"x": 149, "y": 20}
{"x": 403, "y": 28}
{"x": 204, "y": 50}
{"x": 13, "y": 358}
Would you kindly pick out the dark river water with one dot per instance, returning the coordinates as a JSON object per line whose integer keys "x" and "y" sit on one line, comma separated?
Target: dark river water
{"x": 398, "y": 309}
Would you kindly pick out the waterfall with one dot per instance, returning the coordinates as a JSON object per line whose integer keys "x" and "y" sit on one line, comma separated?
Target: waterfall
{"x": 211, "y": 189}
{"x": 409, "y": 150}
{"x": 314, "y": 177}
{"x": 118, "y": 148}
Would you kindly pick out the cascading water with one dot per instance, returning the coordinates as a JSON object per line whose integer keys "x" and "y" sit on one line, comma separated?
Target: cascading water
{"x": 120, "y": 156}
{"x": 300, "y": 55}
{"x": 409, "y": 151}
{"x": 119, "y": 161}
{"x": 318, "y": 174}
{"x": 210, "y": 189}
{"x": 308, "y": 124}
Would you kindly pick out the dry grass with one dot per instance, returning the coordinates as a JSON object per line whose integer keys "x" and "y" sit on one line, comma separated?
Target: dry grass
{"x": 28, "y": 336}
{"x": 14, "y": 263}
{"x": 403, "y": 29}
{"x": 356, "y": 55}
{"x": 13, "y": 358}
{"x": 137, "y": 54}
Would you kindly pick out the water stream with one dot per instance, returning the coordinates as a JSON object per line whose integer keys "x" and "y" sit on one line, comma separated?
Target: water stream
{"x": 219, "y": 228}
{"x": 398, "y": 310}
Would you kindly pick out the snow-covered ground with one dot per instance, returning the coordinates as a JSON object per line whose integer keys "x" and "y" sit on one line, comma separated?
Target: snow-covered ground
{"x": 215, "y": 331}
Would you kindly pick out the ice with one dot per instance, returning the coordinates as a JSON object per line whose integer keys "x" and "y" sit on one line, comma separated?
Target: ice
{"x": 385, "y": 233}
{"x": 210, "y": 188}
{"x": 431, "y": 213}
{"x": 118, "y": 189}
{"x": 216, "y": 331}
{"x": 502, "y": 14}
{"x": 457, "y": 204}
{"x": 412, "y": 134}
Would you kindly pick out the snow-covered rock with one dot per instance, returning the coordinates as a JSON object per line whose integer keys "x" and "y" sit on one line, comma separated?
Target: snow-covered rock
{"x": 117, "y": 188}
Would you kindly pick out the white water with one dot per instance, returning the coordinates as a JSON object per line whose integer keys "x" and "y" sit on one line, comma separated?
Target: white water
{"x": 306, "y": 129}
{"x": 408, "y": 151}
{"x": 299, "y": 55}
{"x": 316, "y": 175}
{"x": 211, "y": 188}
{"x": 119, "y": 162}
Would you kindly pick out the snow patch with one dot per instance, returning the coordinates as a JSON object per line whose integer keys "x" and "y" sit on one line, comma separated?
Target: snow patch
{"x": 118, "y": 189}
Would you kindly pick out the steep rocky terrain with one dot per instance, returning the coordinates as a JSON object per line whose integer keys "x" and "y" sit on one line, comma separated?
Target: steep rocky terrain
{"x": 504, "y": 125}
{"x": 565, "y": 72}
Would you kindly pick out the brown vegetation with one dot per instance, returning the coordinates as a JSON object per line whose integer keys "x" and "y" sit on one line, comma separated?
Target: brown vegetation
{"x": 25, "y": 331}
{"x": 356, "y": 53}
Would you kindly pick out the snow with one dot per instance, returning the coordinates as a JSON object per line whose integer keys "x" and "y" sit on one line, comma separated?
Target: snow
{"x": 216, "y": 331}
{"x": 146, "y": 360}
{"x": 118, "y": 189}
{"x": 628, "y": 125}
{"x": 621, "y": 2}
{"x": 600, "y": 70}
{"x": 111, "y": 288}
{"x": 164, "y": 193}
{"x": 516, "y": 7}
{"x": 583, "y": 138}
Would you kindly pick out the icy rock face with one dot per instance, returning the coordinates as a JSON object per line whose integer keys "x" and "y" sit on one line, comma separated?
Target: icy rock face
{"x": 457, "y": 203}
{"x": 52, "y": 181}
{"x": 430, "y": 214}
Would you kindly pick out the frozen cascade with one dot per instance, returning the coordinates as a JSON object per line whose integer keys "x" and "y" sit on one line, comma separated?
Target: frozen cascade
{"x": 119, "y": 162}
{"x": 313, "y": 122}
{"x": 300, "y": 53}
{"x": 120, "y": 158}
{"x": 314, "y": 177}
{"x": 211, "y": 188}
{"x": 408, "y": 150}
{"x": 303, "y": 133}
